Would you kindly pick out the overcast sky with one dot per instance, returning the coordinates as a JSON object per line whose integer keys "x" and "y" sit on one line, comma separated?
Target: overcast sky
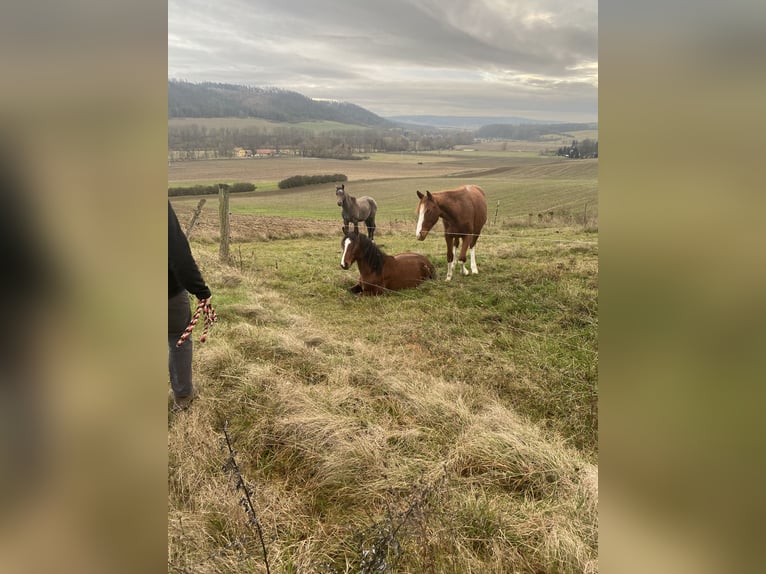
{"x": 531, "y": 58}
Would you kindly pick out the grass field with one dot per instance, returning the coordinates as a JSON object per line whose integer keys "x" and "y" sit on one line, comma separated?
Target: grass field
{"x": 446, "y": 429}
{"x": 520, "y": 184}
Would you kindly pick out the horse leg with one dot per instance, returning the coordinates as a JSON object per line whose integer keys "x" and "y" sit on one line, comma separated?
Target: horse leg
{"x": 450, "y": 257}
{"x": 474, "y": 269}
{"x": 463, "y": 249}
{"x": 370, "y": 228}
{"x": 356, "y": 227}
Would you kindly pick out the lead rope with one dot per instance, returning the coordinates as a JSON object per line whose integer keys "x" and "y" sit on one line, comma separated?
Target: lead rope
{"x": 205, "y": 309}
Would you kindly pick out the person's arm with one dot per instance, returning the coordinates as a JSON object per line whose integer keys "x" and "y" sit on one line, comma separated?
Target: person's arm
{"x": 181, "y": 260}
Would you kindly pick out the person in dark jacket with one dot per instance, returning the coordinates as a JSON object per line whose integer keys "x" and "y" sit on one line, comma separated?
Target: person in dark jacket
{"x": 184, "y": 277}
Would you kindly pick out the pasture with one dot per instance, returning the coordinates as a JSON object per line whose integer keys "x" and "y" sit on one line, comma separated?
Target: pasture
{"x": 447, "y": 428}
{"x": 520, "y": 184}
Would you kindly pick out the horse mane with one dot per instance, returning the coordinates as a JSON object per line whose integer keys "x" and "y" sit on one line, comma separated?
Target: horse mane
{"x": 446, "y": 200}
{"x": 450, "y": 200}
{"x": 445, "y": 204}
{"x": 369, "y": 252}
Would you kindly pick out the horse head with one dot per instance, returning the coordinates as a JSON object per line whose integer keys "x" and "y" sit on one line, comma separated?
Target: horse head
{"x": 349, "y": 246}
{"x": 340, "y": 193}
{"x": 428, "y": 214}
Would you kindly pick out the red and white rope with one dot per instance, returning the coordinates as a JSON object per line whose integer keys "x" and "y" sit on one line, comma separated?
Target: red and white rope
{"x": 205, "y": 309}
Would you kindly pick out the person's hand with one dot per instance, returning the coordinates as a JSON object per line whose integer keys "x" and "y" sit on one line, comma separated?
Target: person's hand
{"x": 204, "y": 308}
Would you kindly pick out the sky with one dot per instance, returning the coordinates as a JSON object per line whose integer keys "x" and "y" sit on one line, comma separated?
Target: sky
{"x": 536, "y": 59}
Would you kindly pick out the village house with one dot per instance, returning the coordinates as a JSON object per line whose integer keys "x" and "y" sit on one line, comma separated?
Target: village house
{"x": 265, "y": 152}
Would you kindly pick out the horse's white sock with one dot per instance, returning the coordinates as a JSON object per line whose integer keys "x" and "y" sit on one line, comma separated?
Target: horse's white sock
{"x": 450, "y": 267}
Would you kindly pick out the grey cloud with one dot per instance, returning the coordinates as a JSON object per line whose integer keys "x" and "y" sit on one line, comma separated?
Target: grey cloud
{"x": 378, "y": 50}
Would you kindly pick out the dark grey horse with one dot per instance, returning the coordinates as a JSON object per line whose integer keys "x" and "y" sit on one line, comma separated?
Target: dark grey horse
{"x": 356, "y": 210}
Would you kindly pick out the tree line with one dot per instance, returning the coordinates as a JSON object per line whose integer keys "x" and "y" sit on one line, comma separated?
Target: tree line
{"x": 239, "y": 187}
{"x": 577, "y": 150}
{"x": 528, "y": 131}
{"x": 187, "y": 141}
{"x": 301, "y": 180}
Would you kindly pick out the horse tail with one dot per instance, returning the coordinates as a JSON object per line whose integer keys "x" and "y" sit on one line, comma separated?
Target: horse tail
{"x": 370, "y": 221}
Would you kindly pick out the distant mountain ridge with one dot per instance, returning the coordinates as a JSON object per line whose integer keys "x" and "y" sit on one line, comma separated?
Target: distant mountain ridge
{"x": 220, "y": 100}
{"x": 214, "y": 100}
{"x": 466, "y": 122}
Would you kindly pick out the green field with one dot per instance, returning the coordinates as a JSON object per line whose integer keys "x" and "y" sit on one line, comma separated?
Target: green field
{"x": 515, "y": 184}
{"x": 450, "y": 428}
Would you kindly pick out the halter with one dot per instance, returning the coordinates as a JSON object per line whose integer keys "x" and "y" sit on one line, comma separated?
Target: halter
{"x": 203, "y": 307}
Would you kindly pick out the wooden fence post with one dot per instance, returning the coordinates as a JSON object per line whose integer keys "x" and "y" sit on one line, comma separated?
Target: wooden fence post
{"x": 195, "y": 216}
{"x": 223, "y": 215}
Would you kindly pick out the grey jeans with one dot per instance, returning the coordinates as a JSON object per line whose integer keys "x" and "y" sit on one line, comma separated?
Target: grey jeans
{"x": 180, "y": 358}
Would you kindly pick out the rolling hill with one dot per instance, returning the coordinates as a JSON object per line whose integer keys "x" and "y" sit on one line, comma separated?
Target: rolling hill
{"x": 212, "y": 100}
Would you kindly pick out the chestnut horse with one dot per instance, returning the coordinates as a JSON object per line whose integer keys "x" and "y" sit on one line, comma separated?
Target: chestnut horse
{"x": 355, "y": 210}
{"x": 380, "y": 272}
{"x": 464, "y": 213}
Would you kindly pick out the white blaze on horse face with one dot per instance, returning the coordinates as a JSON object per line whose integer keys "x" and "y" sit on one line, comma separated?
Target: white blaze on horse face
{"x": 421, "y": 216}
{"x": 346, "y": 243}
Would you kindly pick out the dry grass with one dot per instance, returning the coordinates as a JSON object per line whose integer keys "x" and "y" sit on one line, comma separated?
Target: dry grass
{"x": 449, "y": 429}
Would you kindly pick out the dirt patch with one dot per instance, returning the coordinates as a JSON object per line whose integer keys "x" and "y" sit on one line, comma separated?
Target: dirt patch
{"x": 275, "y": 169}
{"x": 255, "y": 227}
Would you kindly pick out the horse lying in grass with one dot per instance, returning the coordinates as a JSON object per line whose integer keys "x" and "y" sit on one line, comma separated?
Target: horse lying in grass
{"x": 355, "y": 210}
{"x": 464, "y": 213}
{"x": 380, "y": 272}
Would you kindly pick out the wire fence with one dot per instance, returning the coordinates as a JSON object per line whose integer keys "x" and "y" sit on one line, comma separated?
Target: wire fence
{"x": 378, "y": 545}
{"x": 238, "y": 549}
{"x": 566, "y": 215}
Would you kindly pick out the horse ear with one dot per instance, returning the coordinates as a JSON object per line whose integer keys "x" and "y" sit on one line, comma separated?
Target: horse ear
{"x": 420, "y": 195}
{"x": 428, "y": 193}
{"x": 343, "y": 186}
